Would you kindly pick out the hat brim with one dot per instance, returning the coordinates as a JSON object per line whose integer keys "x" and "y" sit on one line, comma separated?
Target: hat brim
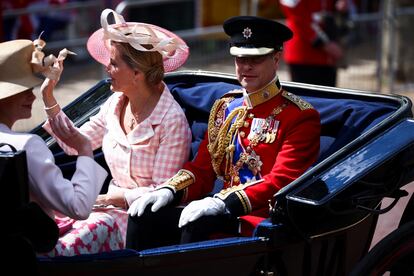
{"x": 246, "y": 52}
{"x": 10, "y": 88}
{"x": 99, "y": 50}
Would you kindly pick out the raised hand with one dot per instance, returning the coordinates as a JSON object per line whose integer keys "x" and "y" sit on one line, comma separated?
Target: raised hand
{"x": 70, "y": 135}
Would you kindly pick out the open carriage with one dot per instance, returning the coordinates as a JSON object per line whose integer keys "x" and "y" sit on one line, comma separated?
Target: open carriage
{"x": 321, "y": 224}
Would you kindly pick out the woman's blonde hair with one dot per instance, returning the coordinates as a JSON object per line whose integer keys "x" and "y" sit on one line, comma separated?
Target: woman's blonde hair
{"x": 150, "y": 63}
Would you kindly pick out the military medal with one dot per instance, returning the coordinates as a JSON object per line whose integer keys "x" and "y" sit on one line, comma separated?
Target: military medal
{"x": 257, "y": 130}
{"x": 269, "y": 123}
{"x": 272, "y": 131}
{"x": 263, "y": 130}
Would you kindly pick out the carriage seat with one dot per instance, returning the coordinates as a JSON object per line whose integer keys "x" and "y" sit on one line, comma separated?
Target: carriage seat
{"x": 342, "y": 119}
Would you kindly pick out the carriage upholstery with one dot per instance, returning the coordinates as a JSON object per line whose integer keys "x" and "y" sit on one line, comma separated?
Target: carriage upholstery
{"x": 342, "y": 119}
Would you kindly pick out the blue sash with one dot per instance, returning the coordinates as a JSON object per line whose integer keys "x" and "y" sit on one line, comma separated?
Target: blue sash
{"x": 244, "y": 173}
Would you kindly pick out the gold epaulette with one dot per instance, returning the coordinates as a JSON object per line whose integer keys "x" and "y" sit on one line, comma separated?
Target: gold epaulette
{"x": 302, "y": 104}
{"x": 180, "y": 181}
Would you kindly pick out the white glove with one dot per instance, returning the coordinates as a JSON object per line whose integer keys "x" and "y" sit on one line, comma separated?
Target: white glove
{"x": 198, "y": 208}
{"x": 159, "y": 198}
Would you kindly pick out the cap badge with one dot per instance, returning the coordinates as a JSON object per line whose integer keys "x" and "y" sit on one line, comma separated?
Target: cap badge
{"x": 247, "y": 33}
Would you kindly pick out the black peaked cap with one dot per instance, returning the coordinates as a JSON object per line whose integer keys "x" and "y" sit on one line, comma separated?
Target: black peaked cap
{"x": 255, "y": 32}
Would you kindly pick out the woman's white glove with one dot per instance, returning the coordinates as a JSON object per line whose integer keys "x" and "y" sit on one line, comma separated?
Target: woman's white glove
{"x": 198, "y": 208}
{"x": 158, "y": 198}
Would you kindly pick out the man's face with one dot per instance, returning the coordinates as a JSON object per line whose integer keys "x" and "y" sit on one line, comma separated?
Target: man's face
{"x": 255, "y": 72}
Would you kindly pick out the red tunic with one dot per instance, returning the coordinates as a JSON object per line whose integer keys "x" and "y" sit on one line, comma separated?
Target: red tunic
{"x": 299, "y": 18}
{"x": 294, "y": 150}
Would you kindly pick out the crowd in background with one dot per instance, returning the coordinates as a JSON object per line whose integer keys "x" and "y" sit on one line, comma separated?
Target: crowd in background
{"x": 29, "y": 26}
{"x": 70, "y": 24}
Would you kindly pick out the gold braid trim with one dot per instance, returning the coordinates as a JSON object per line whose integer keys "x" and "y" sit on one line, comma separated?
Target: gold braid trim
{"x": 221, "y": 145}
{"x": 241, "y": 195}
{"x": 301, "y": 103}
{"x": 264, "y": 94}
{"x": 216, "y": 117}
{"x": 247, "y": 208}
{"x": 181, "y": 180}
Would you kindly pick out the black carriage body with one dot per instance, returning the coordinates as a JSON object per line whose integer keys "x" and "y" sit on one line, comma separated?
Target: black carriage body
{"x": 321, "y": 224}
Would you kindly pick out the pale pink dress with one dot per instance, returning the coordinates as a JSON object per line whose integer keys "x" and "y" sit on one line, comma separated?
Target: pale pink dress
{"x": 149, "y": 155}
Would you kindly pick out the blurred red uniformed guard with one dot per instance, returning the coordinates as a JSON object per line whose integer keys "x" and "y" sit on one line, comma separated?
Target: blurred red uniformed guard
{"x": 259, "y": 139}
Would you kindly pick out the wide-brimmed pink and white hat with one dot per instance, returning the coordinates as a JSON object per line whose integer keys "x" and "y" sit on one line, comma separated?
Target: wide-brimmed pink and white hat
{"x": 173, "y": 49}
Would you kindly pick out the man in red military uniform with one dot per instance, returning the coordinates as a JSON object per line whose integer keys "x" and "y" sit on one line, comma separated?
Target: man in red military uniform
{"x": 314, "y": 51}
{"x": 256, "y": 143}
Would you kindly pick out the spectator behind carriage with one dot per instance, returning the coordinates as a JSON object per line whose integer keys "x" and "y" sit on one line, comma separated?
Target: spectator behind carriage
{"x": 315, "y": 51}
{"x": 47, "y": 187}
{"x": 143, "y": 131}
{"x": 256, "y": 143}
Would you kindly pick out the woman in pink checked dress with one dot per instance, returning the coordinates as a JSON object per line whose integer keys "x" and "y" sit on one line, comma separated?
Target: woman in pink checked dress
{"x": 143, "y": 132}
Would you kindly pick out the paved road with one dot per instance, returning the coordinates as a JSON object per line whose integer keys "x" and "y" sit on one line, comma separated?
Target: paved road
{"x": 389, "y": 221}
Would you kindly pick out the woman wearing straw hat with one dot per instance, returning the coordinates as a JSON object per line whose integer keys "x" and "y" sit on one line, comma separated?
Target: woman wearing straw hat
{"x": 143, "y": 132}
{"x": 48, "y": 188}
